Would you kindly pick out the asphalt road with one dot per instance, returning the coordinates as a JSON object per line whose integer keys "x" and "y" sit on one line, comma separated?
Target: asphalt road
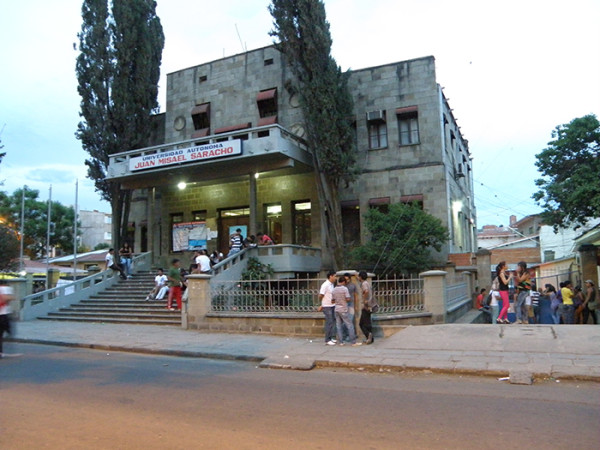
{"x": 57, "y": 397}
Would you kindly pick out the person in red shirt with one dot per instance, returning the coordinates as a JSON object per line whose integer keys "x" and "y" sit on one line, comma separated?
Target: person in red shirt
{"x": 479, "y": 299}
{"x": 263, "y": 239}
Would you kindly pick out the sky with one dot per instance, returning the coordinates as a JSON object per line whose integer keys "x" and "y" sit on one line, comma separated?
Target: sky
{"x": 512, "y": 71}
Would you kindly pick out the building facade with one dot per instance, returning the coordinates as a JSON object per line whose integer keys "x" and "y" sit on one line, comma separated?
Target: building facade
{"x": 233, "y": 156}
{"x": 96, "y": 228}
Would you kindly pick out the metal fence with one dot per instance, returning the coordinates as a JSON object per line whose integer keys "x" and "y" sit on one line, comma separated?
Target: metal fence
{"x": 399, "y": 295}
{"x": 456, "y": 295}
{"x": 302, "y": 295}
{"x": 289, "y": 295}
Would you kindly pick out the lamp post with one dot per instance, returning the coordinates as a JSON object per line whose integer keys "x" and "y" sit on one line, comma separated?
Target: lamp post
{"x": 21, "y": 262}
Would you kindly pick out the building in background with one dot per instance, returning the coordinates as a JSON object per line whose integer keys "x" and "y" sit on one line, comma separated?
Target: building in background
{"x": 233, "y": 156}
{"x": 95, "y": 228}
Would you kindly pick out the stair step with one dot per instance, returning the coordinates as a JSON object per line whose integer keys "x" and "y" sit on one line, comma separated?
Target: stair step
{"x": 124, "y": 302}
{"x": 115, "y": 320}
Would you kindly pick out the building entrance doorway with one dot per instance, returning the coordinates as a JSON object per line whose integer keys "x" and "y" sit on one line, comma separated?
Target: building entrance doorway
{"x": 230, "y": 219}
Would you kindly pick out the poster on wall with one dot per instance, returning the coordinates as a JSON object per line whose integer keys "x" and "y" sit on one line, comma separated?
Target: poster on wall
{"x": 189, "y": 236}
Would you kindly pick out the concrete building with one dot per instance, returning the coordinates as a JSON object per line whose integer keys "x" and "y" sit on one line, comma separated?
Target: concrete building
{"x": 233, "y": 138}
{"x": 95, "y": 228}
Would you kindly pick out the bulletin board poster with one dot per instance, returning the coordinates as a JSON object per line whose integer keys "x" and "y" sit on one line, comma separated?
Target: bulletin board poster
{"x": 189, "y": 236}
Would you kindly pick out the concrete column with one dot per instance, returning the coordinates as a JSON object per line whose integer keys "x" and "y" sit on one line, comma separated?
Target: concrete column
{"x": 434, "y": 298}
{"x": 199, "y": 300}
{"x": 468, "y": 276}
{"x": 19, "y": 286}
{"x": 53, "y": 277}
{"x": 484, "y": 264}
{"x": 588, "y": 255}
{"x": 253, "y": 207}
{"x": 150, "y": 222}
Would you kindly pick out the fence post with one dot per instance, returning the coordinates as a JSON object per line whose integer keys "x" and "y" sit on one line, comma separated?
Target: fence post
{"x": 468, "y": 276}
{"x": 434, "y": 294}
{"x": 199, "y": 301}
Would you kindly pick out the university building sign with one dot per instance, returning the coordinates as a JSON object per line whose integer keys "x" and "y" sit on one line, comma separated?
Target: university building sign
{"x": 185, "y": 155}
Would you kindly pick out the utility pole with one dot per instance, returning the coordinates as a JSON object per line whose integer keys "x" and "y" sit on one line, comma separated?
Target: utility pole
{"x": 21, "y": 262}
{"x": 48, "y": 239}
{"x": 75, "y": 233}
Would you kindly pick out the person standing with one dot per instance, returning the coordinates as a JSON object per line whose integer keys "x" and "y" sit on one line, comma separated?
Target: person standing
{"x": 125, "y": 252}
{"x": 111, "y": 264}
{"x": 503, "y": 282}
{"x": 590, "y": 303}
{"x": 235, "y": 242}
{"x": 523, "y": 281}
{"x": 568, "y": 309}
{"x": 365, "y": 322}
{"x": 327, "y": 307}
{"x": 174, "y": 277}
{"x": 341, "y": 296}
{"x": 495, "y": 300}
{"x": 353, "y": 297}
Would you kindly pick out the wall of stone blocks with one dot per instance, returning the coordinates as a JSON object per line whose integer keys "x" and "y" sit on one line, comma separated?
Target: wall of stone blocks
{"x": 212, "y": 198}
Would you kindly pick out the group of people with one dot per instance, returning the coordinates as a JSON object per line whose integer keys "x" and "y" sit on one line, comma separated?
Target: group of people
{"x": 125, "y": 260}
{"x": 338, "y": 298}
{"x": 237, "y": 242}
{"x": 569, "y": 305}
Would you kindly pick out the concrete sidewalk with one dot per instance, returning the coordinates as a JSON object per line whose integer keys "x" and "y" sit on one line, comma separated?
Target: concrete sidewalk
{"x": 521, "y": 351}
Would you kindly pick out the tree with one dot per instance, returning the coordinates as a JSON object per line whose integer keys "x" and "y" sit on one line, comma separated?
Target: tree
{"x": 36, "y": 221}
{"x": 303, "y": 33}
{"x": 9, "y": 248}
{"x": 117, "y": 71}
{"x": 402, "y": 240}
{"x": 570, "y": 165}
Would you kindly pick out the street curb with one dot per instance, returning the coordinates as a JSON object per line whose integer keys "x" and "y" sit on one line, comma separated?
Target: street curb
{"x": 298, "y": 363}
{"x": 462, "y": 371}
{"x": 145, "y": 351}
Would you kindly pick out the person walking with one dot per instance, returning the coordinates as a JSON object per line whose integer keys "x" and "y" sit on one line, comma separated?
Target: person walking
{"x": 495, "y": 300}
{"x": 523, "y": 281}
{"x": 174, "y": 277}
{"x": 369, "y": 304}
{"x": 340, "y": 295}
{"x": 503, "y": 282}
{"x": 6, "y": 295}
{"x": 327, "y": 307}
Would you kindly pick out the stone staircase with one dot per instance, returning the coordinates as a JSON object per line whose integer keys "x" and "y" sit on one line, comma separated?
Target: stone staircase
{"x": 125, "y": 302}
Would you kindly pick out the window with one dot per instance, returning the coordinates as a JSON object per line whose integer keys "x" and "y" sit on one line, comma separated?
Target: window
{"x": 199, "y": 216}
{"x": 108, "y": 220}
{"x": 268, "y": 61}
{"x": 413, "y": 200}
{"x": 351, "y": 223}
{"x": 201, "y": 118}
{"x": 301, "y": 222}
{"x": 273, "y": 223}
{"x": 202, "y": 78}
{"x": 408, "y": 125}
{"x": 377, "y": 129}
{"x": 107, "y": 236}
{"x": 267, "y": 103}
{"x": 381, "y": 203}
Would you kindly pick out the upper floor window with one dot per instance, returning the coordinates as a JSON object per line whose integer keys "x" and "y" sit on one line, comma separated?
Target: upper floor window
{"x": 408, "y": 125}
{"x": 267, "y": 103}
{"x": 201, "y": 118}
{"x": 377, "y": 129}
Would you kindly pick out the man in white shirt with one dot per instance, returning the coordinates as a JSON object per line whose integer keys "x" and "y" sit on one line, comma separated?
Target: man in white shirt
{"x": 160, "y": 282}
{"x": 327, "y": 306}
{"x": 111, "y": 264}
{"x": 6, "y": 295}
{"x": 203, "y": 262}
